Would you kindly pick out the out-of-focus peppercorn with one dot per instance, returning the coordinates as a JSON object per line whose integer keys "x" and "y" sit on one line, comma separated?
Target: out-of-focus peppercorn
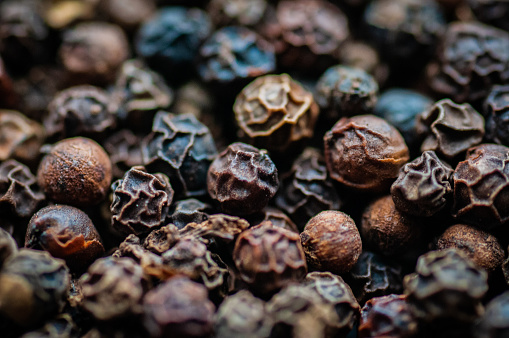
{"x": 124, "y": 149}
{"x": 128, "y": 14}
{"x": 495, "y": 320}
{"x": 496, "y": 112}
{"x": 236, "y": 12}
{"x": 8, "y": 246}
{"x": 75, "y": 171}
{"x": 492, "y": 12}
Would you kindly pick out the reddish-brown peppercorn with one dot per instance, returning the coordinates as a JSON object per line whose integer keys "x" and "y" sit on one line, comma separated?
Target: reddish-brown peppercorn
{"x": 387, "y": 230}
{"x": 365, "y": 152}
{"x": 75, "y": 171}
{"x": 331, "y": 242}
{"x": 65, "y": 232}
{"x": 269, "y": 257}
{"x": 483, "y": 248}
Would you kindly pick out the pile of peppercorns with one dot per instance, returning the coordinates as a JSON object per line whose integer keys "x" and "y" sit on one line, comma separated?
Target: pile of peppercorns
{"x": 254, "y": 168}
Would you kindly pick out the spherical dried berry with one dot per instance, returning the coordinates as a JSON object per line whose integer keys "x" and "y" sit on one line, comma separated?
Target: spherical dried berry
{"x": 483, "y": 248}
{"x": 423, "y": 187}
{"x": 449, "y": 128}
{"x": 345, "y": 91}
{"x": 182, "y": 148}
{"x": 178, "y": 308}
{"x": 80, "y": 111}
{"x": 481, "y": 187}
{"x": 269, "y": 257}
{"x": 170, "y": 40}
{"x": 92, "y": 52}
{"x": 113, "y": 288}
{"x": 364, "y": 153}
{"x": 473, "y": 57}
{"x": 19, "y": 194}
{"x": 446, "y": 285}
{"x": 242, "y": 179}
{"x": 331, "y": 242}
{"x": 140, "y": 201}
{"x": 496, "y": 111}
{"x": 65, "y": 232}
{"x": 387, "y": 316}
{"x": 235, "y": 54}
{"x": 495, "y": 320}
{"x": 75, "y": 171}
{"x": 124, "y": 149}
{"x": 275, "y": 112}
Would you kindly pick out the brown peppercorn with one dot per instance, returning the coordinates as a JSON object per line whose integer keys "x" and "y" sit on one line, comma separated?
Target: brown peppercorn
{"x": 128, "y": 14}
{"x": 92, "y": 52}
{"x": 269, "y": 257}
{"x": 387, "y": 230}
{"x": 275, "y": 112}
{"x": 365, "y": 153}
{"x": 483, "y": 248}
{"x": 162, "y": 239}
{"x": 276, "y": 216}
{"x": 224, "y": 228}
{"x": 331, "y": 242}
{"x": 65, "y": 232}
{"x": 8, "y": 246}
{"x": 450, "y": 129}
{"x": 242, "y": 179}
{"x": 75, "y": 171}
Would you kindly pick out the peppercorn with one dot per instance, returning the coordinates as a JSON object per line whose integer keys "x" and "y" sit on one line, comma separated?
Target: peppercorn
{"x": 75, "y": 171}
{"x": 359, "y": 54}
{"x": 218, "y": 227}
{"x": 496, "y": 111}
{"x": 8, "y": 246}
{"x": 65, "y": 232}
{"x": 236, "y": 12}
{"x": 331, "y": 242}
{"x": 187, "y": 211}
{"x": 494, "y": 321}
{"x": 242, "y": 179}
{"x": 492, "y": 12}
{"x": 274, "y": 215}
{"x": 124, "y": 149}
{"x": 365, "y": 153}
{"x": 161, "y": 240}
{"x": 128, "y": 14}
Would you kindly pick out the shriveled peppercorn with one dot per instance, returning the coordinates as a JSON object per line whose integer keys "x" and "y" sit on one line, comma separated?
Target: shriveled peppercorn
{"x": 21, "y": 138}
{"x": 19, "y": 194}
{"x": 162, "y": 239}
{"x": 496, "y": 111}
{"x": 276, "y": 216}
{"x": 275, "y": 112}
{"x": 65, "y": 232}
{"x": 140, "y": 201}
{"x": 179, "y": 308}
{"x": 387, "y": 316}
{"x": 75, "y": 171}
{"x": 187, "y": 211}
{"x": 364, "y": 153}
{"x": 269, "y": 257}
{"x": 483, "y": 248}
{"x": 113, "y": 288}
{"x": 480, "y": 186}
{"x": 331, "y": 242}
{"x": 495, "y": 320}
{"x": 181, "y": 147}
{"x": 449, "y": 128}
{"x": 423, "y": 187}
{"x": 224, "y": 228}
{"x": 242, "y": 179}
{"x": 80, "y": 111}
{"x": 124, "y": 149}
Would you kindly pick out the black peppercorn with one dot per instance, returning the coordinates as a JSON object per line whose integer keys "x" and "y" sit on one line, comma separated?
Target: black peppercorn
{"x": 496, "y": 111}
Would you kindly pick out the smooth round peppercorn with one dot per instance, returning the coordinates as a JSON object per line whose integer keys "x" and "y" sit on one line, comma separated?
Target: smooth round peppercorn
{"x": 75, "y": 171}
{"x": 331, "y": 242}
{"x": 365, "y": 153}
{"x": 65, "y": 232}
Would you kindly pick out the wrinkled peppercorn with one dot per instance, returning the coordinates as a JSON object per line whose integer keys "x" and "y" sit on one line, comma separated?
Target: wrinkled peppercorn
{"x": 242, "y": 179}
{"x": 450, "y": 129}
{"x": 374, "y": 276}
{"x": 65, "y": 232}
{"x": 306, "y": 189}
{"x": 276, "y": 216}
{"x": 472, "y": 58}
{"x": 331, "y": 242}
{"x": 79, "y": 111}
{"x": 423, "y": 187}
{"x": 387, "y": 316}
{"x": 235, "y": 54}
{"x": 124, "y": 149}
{"x": 179, "y": 308}
{"x": 483, "y": 248}
{"x": 188, "y": 211}
{"x": 75, "y": 171}
{"x": 275, "y": 112}
{"x": 162, "y": 239}
{"x": 33, "y": 287}
{"x": 21, "y": 138}
{"x": 446, "y": 285}
{"x": 113, "y": 288}
{"x": 496, "y": 111}
{"x": 219, "y": 227}
{"x": 269, "y": 257}
{"x": 19, "y": 194}
{"x": 364, "y": 152}
{"x": 140, "y": 201}
{"x": 182, "y": 148}
{"x": 495, "y": 320}
{"x": 92, "y": 52}
{"x": 345, "y": 91}
{"x": 480, "y": 186}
